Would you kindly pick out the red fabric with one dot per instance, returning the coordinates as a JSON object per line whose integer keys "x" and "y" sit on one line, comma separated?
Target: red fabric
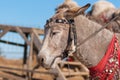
{"x": 108, "y": 67}
{"x": 70, "y": 59}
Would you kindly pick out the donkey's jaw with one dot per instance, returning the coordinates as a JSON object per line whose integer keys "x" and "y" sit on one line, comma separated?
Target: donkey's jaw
{"x": 51, "y": 65}
{"x": 55, "y": 62}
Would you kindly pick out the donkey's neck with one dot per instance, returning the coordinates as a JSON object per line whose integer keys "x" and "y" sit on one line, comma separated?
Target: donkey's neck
{"x": 92, "y": 51}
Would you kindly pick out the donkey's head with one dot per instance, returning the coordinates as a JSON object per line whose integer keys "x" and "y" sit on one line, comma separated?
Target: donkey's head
{"x": 57, "y": 36}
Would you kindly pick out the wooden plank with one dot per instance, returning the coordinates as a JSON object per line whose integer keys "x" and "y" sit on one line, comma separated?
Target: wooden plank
{"x": 10, "y": 69}
{"x": 23, "y": 35}
{"x": 36, "y": 40}
{"x": 24, "y": 29}
{"x": 75, "y": 73}
{"x": 10, "y": 76}
{"x": 4, "y": 31}
{"x": 76, "y": 63}
{"x": 12, "y": 43}
{"x": 72, "y": 63}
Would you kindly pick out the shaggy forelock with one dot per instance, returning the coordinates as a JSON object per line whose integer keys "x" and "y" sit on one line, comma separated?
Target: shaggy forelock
{"x": 67, "y": 5}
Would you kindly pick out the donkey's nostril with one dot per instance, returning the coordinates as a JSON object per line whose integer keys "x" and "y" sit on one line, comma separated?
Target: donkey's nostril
{"x": 42, "y": 60}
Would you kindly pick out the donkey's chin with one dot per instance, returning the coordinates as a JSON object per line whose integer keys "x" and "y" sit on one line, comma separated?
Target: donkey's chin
{"x": 52, "y": 64}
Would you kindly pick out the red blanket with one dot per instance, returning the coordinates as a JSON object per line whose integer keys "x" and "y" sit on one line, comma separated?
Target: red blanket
{"x": 109, "y": 65}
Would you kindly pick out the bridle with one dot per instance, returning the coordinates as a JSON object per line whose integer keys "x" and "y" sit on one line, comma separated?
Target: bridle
{"x": 72, "y": 36}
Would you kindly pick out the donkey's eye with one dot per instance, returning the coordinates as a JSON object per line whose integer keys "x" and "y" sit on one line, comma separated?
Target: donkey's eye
{"x": 54, "y": 33}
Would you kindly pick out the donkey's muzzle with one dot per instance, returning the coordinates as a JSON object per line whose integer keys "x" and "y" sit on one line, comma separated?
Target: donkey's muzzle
{"x": 41, "y": 59}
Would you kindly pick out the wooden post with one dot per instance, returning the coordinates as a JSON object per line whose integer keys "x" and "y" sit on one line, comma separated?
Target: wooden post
{"x": 30, "y": 57}
{"x": 36, "y": 40}
{"x": 25, "y": 56}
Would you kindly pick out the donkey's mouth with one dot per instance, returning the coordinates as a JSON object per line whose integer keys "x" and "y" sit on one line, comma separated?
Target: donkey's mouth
{"x": 55, "y": 61}
{"x": 52, "y": 65}
{"x": 49, "y": 61}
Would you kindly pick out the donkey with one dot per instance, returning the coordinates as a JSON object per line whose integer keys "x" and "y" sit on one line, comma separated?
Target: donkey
{"x": 59, "y": 35}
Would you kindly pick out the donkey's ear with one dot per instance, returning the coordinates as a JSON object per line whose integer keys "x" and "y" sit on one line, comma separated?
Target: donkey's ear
{"x": 71, "y": 13}
{"x": 82, "y": 9}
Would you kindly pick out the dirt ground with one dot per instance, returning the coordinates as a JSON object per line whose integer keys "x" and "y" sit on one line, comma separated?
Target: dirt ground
{"x": 18, "y": 64}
